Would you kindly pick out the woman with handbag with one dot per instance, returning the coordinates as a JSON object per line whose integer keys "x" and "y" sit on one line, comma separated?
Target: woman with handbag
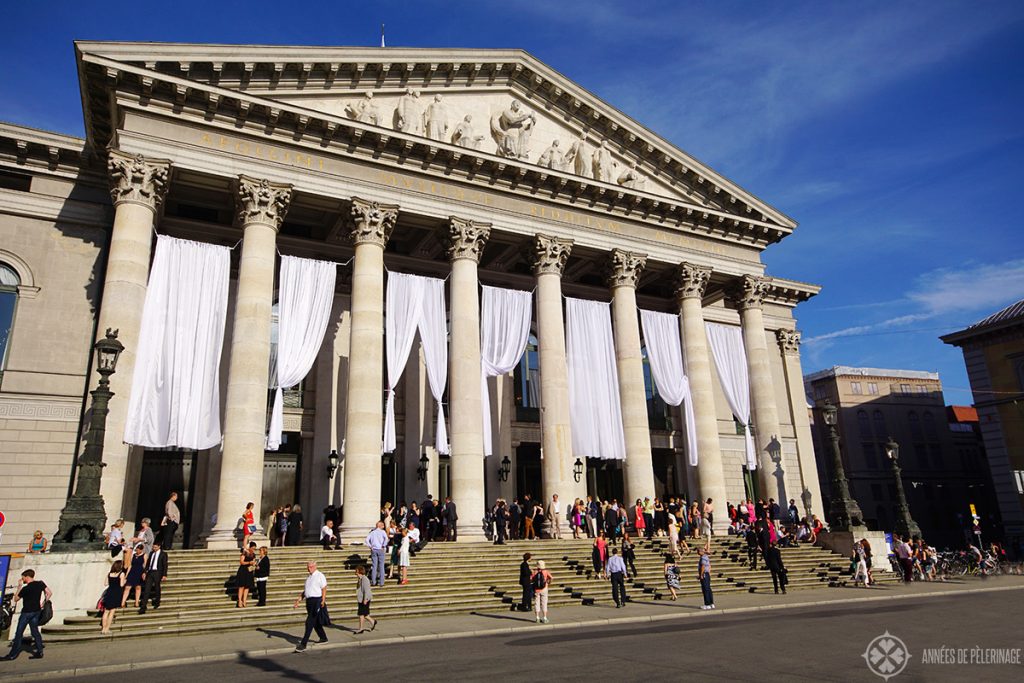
{"x": 112, "y": 596}
{"x": 248, "y": 525}
{"x": 134, "y": 577}
{"x": 244, "y": 576}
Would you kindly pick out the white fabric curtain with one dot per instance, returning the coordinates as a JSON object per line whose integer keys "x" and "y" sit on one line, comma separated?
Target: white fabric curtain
{"x": 415, "y": 302}
{"x": 665, "y": 355}
{"x": 726, "y": 342}
{"x": 505, "y": 316}
{"x": 593, "y": 381}
{"x": 433, "y": 328}
{"x": 175, "y": 395}
{"x": 305, "y": 297}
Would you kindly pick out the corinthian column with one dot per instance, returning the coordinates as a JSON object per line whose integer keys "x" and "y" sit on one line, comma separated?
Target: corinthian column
{"x": 624, "y": 271}
{"x": 691, "y": 282}
{"x": 137, "y": 187}
{"x": 549, "y": 257}
{"x": 810, "y": 489}
{"x": 749, "y": 297}
{"x": 371, "y": 226}
{"x": 261, "y": 206}
{"x": 465, "y": 241}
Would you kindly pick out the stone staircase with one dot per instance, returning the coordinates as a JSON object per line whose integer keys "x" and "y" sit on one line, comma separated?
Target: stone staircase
{"x": 445, "y": 578}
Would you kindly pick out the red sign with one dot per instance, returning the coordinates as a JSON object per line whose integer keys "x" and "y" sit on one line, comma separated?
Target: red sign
{"x": 2, "y": 519}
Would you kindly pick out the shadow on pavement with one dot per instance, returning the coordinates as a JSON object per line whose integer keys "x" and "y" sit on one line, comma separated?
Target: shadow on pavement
{"x": 270, "y": 666}
{"x": 528, "y": 620}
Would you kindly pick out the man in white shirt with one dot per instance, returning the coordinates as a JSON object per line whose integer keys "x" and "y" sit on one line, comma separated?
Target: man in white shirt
{"x": 414, "y": 536}
{"x": 377, "y": 541}
{"x": 315, "y": 593}
{"x": 555, "y": 515}
{"x": 328, "y": 537}
{"x": 902, "y": 550}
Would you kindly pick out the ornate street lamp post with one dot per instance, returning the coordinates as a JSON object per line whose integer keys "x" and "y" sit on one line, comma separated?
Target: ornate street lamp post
{"x": 504, "y": 469}
{"x": 421, "y": 471}
{"x": 577, "y": 470}
{"x": 83, "y": 518}
{"x": 905, "y": 525}
{"x": 844, "y": 513}
{"x": 332, "y": 464}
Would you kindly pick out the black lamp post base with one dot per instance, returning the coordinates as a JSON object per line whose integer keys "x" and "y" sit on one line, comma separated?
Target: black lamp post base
{"x": 82, "y": 523}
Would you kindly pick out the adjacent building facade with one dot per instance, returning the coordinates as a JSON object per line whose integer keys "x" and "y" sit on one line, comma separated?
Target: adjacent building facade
{"x": 993, "y": 351}
{"x": 943, "y": 474}
{"x": 480, "y": 166}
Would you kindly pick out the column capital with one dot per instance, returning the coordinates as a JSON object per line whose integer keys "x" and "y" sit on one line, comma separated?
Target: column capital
{"x": 692, "y": 280}
{"x": 624, "y": 268}
{"x": 550, "y": 254}
{"x": 750, "y": 291}
{"x": 136, "y": 180}
{"x": 789, "y": 341}
{"x": 257, "y": 200}
{"x": 465, "y": 239}
{"x": 371, "y": 222}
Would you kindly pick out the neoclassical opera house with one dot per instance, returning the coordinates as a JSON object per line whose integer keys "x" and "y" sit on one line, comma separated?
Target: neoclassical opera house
{"x": 455, "y": 269}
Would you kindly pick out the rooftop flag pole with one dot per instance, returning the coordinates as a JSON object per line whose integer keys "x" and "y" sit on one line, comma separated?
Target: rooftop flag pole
{"x": 382, "y": 36}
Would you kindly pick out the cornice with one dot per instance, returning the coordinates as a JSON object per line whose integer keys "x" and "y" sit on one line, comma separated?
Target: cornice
{"x": 223, "y": 73}
{"x": 41, "y": 151}
{"x": 60, "y": 209}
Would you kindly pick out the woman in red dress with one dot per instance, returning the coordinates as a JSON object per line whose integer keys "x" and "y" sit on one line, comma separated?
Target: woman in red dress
{"x": 640, "y": 523}
{"x": 248, "y": 525}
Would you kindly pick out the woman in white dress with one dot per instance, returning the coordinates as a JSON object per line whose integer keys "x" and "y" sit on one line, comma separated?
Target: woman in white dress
{"x": 403, "y": 557}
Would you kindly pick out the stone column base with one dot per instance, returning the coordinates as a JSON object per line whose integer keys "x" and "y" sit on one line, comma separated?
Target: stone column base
{"x": 231, "y": 539}
{"x": 842, "y": 542}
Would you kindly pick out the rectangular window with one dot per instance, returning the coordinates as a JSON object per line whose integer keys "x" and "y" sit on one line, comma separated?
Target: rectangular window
{"x": 870, "y": 456}
{"x": 873, "y": 388}
{"x": 921, "y": 453}
{"x": 904, "y": 388}
{"x": 1019, "y": 476}
{"x": 855, "y": 388}
{"x": 876, "y": 491}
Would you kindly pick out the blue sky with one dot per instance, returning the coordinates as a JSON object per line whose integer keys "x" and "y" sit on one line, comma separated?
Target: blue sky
{"x": 892, "y": 132}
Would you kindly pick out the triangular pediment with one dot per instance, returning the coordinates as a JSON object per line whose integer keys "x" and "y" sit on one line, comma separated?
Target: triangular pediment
{"x": 479, "y": 84}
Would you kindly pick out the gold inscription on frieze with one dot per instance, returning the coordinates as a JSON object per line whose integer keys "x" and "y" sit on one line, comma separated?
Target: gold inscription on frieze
{"x": 263, "y": 151}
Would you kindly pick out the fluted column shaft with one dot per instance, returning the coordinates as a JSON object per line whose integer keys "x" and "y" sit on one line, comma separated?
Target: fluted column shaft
{"x": 625, "y": 269}
{"x": 466, "y": 240}
{"x": 750, "y": 297}
{"x": 138, "y": 187}
{"x": 550, "y": 255}
{"x": 691, "y": 283}
{"x": 371, "y": 227}
{"x": 261, "y": 208}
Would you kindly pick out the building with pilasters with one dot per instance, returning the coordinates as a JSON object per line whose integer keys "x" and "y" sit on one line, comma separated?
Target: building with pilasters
{"x": 478, "y": 166}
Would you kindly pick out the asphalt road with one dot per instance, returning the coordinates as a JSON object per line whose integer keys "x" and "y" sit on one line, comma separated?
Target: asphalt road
{"x": 824, "y": 643}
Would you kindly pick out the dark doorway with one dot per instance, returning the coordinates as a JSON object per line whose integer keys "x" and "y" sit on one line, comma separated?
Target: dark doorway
{"x": 389, "y": 479}
{"x": 281, "y": 474}
{"x": 163, "y": 472}
{"x": 604, "y": 479}
{"x": 664, "y": 462}
{"x": 528, "y": 471}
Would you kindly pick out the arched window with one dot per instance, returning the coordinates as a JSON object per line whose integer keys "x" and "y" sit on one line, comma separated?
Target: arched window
{"x": 929, "y": 426}
{"x": 864, "y": 425}
{"x": 880, "y": 430}
{"x": 9, "y": 282}
{"x": 527, "y": 382}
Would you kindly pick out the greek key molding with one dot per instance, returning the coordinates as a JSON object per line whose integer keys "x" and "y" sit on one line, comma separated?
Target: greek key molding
{"x": 465, "y": 239}
{"x": 550, "y": 254}
{"x": 257, "y": 200}
{"x": 624, "y": 268}
{"x": 136, "y": 180}
{"x": 35, "y": 409}
{"x": 789, "y": 341}
{"x": 692, "y": 280}
{"x": 371, "y": 222}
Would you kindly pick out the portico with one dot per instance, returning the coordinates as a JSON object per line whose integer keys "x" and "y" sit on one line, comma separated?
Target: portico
{"x": 279, "y": 151}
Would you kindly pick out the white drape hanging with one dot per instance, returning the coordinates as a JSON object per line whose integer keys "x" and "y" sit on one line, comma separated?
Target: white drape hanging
{"x": 175, "y": 395}
{"x": 505, "y": 316}
{"x": 726, "y": 342}
{"x": 594, "y": 406}
{"x": 665, "y": 355}
{"x": 416, "y": 302}
{"x": 305, "y": 298}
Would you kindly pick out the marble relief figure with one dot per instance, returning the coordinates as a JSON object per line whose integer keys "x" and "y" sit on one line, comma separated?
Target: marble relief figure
{"x": 463, "y": 134}
{"x": 436, "y": 119}
{"x": 407, "y": 113}
{"x": 631, "y": 178}
{"x": 552, "y": 158}
{"x": 511, "y": 129}
{"x": 365, "y": 110}
{"x": 602, "y": 163}
{"x": 576, "y": 158}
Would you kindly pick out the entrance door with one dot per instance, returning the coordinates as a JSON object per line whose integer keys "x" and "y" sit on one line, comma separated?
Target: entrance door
{"x": 281, "y": 476}
{"x": 528, "y": 471}
{"x": 163, "y": 472}
{"x": 606, "y": 482}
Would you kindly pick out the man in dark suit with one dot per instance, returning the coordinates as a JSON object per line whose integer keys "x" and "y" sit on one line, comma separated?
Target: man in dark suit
{"x": 773, "y": 560}
{"x": 499, "y": 523}
{"x": 526, "y": 581}
{"x": 514, "y": 520}
{"x": 452, "y": 516}
{"x": 428, "y": 520}
{"x": 153, "y": 577}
